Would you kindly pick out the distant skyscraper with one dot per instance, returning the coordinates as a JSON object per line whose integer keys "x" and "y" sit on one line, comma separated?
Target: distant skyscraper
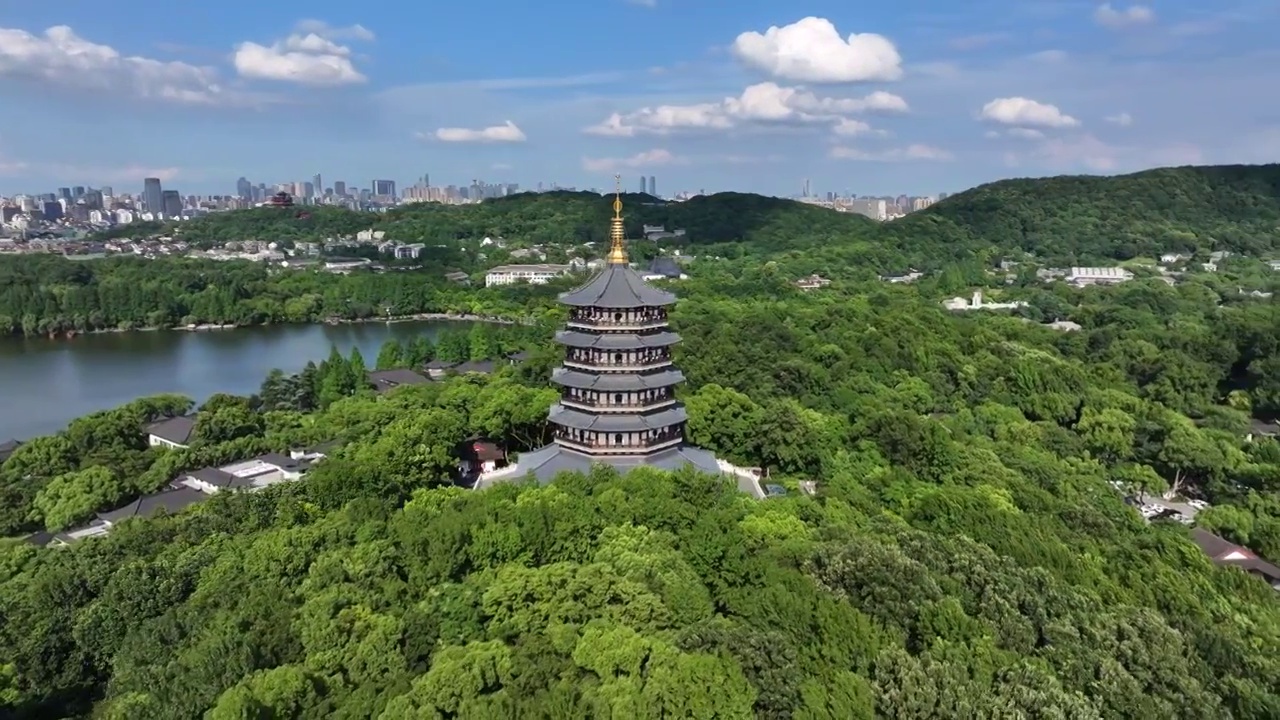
{"x": 106, "y": 191}
{"x": 384, "y": 188}
{"x": 64, "y": 193}
{"x": 244, "y": 189}
{"x": 171, "y": 202}
{"x": 339, "y": 188}
{"x": 642, "y": 185}
{"x": 151, "y": 195}
{"x": 653, "y": 186}
{"x": 77, "y": 192}
{"x": 318, "y": 183}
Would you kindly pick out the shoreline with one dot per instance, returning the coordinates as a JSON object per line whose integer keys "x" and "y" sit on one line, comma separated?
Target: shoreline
{"x": 219, "y": 327}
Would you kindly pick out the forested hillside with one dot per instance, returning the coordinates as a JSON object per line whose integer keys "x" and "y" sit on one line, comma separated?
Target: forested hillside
{"x": 1185, "y": 209}
{"x": 553, "y": 217}
{"x": 967, "y": 555}
{"x": 1069, "y": 218}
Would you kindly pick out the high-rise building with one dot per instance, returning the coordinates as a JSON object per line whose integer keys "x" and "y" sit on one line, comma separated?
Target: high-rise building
{"x": 77, "y": 192}
{"x": 653, "y": 186}
{"x": 385, "y": 188}
{"x": 618, "y": 405}
{"x": 106, "y": 191}
{"x": 318, "y": 184}
{"x": 244, "y": 189}
{"x": 171, "y": 203}
{"x": 64, "y": 193}
{"x": 151, "y": 197}
{"x": 643, "y": 188}
{"x": 339, "y": 188}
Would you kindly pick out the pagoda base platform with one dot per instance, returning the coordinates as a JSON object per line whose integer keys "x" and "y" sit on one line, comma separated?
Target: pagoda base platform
{"x": 547, "y": 462}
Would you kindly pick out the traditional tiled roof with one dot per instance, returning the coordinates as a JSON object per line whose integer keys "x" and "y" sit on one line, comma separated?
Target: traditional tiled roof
{"x": 617, "y": 286}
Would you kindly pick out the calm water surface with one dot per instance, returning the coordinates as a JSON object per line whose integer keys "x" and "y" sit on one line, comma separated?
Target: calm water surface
{"x": 44, "y": 384}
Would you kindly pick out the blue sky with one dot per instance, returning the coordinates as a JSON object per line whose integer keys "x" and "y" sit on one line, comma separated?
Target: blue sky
{"x": 913, "y": 96}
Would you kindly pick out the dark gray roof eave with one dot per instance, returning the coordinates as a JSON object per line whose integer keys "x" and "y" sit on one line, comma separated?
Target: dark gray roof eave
{"x": 617, "y": 287}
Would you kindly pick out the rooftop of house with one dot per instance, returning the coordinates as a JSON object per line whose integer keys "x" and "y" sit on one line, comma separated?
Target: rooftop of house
{"x": 8, "y": 447}
{"x": 175, "y": 429}
{"x": 665, "y": 266}
{"x": 383, "y": 380}
{"x": 167, "y": 501}
{"x": 440, "y": 365}
{"x": 480, "y": 450}
{"x": 533, "y": 268}
{"x": 1224, "y": 552}
{"x": 519, "y": 356}
{"x": 482, "y": 367}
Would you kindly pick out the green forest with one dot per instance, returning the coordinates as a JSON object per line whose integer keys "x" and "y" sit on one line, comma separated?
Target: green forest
{"x": 1063, "y": 221}
{"x": 968, "y": 552}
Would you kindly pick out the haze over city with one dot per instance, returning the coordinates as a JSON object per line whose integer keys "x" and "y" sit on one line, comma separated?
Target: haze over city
{"x": 883, "y": 99}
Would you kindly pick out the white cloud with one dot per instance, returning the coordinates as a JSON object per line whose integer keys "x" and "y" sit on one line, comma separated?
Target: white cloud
{"x": 1025, "y": 113}
{"x": 1110, "y": 17}
{"x": 1049, "y": 56}
{"x": 651, "y": 158}
{"x": 848, "y": 127}
{"x": 910, "y": 153}
{"x": 60, "y": 56}
{"x": 1123, "y": 119}
{"x": 10, "y": 166}
{"x": 325, "y": 30}
{"x": 306, "y": 59}
{"x": 761, "y": 104}
{"x": 811, "y": 50}
{"x": 975, "y": 42}
{"x": 504, "y": 133}
{"x": 1024, "y": 133}
{"x": 1089, "y": 153}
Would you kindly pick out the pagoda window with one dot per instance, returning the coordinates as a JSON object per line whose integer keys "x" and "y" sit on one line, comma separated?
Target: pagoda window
{"x": 617, "y": 358}
{"x": 617, "y": 317}
{"x": 617, "y": 398}
{"x": 617, "y": 439}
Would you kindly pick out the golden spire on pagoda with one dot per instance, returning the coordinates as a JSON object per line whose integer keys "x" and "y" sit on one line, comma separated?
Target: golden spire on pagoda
{"x": 617, "y": 235}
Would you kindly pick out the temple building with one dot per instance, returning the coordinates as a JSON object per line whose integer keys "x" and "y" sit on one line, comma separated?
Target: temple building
{"x": 618, "y": 404}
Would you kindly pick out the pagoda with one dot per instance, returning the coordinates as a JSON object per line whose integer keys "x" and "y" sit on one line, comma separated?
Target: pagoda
{"x": 618, "y": 404}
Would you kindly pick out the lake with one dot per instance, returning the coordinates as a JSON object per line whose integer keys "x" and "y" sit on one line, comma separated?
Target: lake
{"x": 44, "y": 384}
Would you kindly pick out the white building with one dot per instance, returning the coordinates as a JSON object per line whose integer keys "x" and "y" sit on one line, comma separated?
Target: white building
{"x": 533, "y": 274}
{"x": 874, "y": 209}
{"x": 253, "y": 474}
{"x": 1085, "y": 276}
{"x": 959, "y": 304}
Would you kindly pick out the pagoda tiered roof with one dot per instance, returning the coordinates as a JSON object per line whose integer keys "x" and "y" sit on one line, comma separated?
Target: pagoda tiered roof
{"x": 617, "y": 287}
{"x": 617, "y": 382}
{"x": 666, "y": 417}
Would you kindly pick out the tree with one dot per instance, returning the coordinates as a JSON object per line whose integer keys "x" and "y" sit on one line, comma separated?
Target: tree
{"x": 74, "y": 496}
{"x": 391, "y": 355}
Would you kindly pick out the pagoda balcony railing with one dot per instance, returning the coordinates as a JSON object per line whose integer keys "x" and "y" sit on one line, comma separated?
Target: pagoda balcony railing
{"x": 635, "y": 366}
{"x": 592, "y": 405}
{"x": 619, "y": 321}
{"x": 600, "y": 447}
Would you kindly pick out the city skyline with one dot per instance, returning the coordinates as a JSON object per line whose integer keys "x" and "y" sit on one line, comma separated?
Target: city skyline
{"x": 903, "y": 97}
{"x": 247, "y": 188}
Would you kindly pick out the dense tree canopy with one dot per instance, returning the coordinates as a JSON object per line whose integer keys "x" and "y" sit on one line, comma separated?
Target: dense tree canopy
{"x": 967, "y": 554}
